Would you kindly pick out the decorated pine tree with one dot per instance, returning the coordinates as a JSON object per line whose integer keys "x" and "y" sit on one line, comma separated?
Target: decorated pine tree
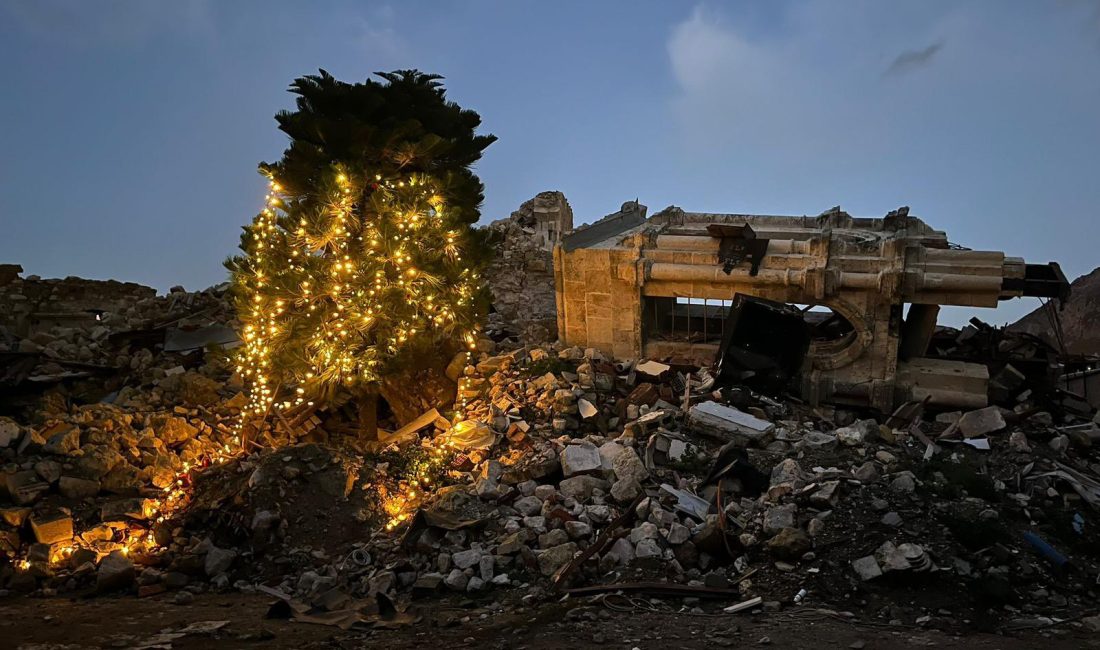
{"x": 364, "y": 264}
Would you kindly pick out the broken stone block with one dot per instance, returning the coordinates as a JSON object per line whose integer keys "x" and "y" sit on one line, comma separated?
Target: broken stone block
{"x": 466, "y": 559}
{"x": 115, "y": 572}
{"x": 789, "y": 544}
{"x": 77, "y": 488}
{"x": 586, "y": 408}
{"x": 97, "y": 460}
{"x": 818, "y": 440}
{"x": 625, "y": 491}
{"x": 904, "y": 483}
{"x": 645, "y": 530}
{"x": 647, "y": 549}
{"x": 1059, "y": 443}
{"x": 981, "y": 422}
{"x": 578, "y": 529}
{"x": 678, "y": 534}
{"x": 555, "y": 557}
{"x": 1017, "y": 441}
{"x": 621, "y": 552}
{"x": 218, "y": 561}
{"x": 9, "y": 541}
{"x": 14, "y": 516}
{"x": 827, "y": 494}
{"x": 25, "y": 487}
{"x": 545, "y": 492}
{"x": 511, "y": 544}
{"x": 885, "y": 457}
{"x": 867, "y": 567}
{"x": 536, "y": 524}
{"x": 866, "y": 473}
{"x": 485, "y": 566}
{"x": 48, "y": 470}
{"x": 553, "y": 538}
{"x": 644, "y": 393}
{"x": 891, "y": 558}
{"x": 10, "y": 432}
{"x": 83, "y": 556}
{"x": 123, "y": 510}
{"x": 628, "y": 466}
{"x": 487, "y": 489}
{"x": 52, "y": 527}
{"x": 787, "y": 471}
{"x": 608, "y": 452}
{"x": 727, "y": 423}
{"x": 456, "y": 580}
{"x": 528, "y": 506}
{"x": 581, "y": 487}
{"x": 583, "y": 458}
{"x": 61, "y": 439}
{"x": 777, "y": 518}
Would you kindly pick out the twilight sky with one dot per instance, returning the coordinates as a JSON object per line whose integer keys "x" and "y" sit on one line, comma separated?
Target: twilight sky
{"x": 132, "y": 128}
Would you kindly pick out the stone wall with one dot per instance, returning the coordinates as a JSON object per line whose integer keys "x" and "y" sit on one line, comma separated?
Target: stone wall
{"x": 600, "y": 295}
{"x": 521, "y": 274}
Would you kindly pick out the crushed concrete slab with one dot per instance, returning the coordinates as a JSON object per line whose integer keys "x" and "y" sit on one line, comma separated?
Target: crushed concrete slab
{"x": 981, "y": 422}
{"x": 729, "y": 423}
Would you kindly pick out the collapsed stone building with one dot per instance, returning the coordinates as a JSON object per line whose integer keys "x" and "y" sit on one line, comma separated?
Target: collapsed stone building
{"x": 662, "y": 287}
{"x": 521, "y": 272}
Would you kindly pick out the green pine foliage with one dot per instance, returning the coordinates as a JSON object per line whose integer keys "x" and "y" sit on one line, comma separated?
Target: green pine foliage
{"x": 365, "y": 258}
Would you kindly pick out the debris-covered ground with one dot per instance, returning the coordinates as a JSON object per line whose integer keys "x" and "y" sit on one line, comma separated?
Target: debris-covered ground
{"x": 598, "y": 500}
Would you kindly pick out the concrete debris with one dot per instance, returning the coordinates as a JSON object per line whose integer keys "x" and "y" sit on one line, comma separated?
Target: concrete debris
{"x": 981, "y": 422}
{"x": 728, "y": 423}
{"x": 115, "y": 572}
{"x": 653, "y": 369}
{"x": 580, "y": 459}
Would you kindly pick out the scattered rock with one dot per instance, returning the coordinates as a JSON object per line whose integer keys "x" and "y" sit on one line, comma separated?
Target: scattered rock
{"x": 115, "y": 572}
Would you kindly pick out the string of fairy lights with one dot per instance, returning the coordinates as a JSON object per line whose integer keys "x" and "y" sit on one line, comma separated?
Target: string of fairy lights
{"x": 359, "y": 284}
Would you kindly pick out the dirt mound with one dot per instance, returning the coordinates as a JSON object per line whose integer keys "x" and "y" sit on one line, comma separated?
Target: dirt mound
{"x": 301, "y": 499}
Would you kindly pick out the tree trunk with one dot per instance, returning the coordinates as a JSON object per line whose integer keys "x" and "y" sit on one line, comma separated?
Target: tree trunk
{"x": 368, "y": 414}
{"x": 410, "y": 393}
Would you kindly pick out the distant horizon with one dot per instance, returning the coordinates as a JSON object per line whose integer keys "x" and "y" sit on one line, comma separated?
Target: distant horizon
{"x": 134, "y": 128}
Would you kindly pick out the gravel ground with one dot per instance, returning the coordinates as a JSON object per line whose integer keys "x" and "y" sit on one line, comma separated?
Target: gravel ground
{"x": 128, "y": 622}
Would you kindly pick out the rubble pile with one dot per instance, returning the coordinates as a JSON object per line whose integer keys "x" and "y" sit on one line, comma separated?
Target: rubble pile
{"x": 574, "y": 470}
{"x": 1025, "y": 370}
{"x": 95, "y": 480}
{"x": 59, "y": 332}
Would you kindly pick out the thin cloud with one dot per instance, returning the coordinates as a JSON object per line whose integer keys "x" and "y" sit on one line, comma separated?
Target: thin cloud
{"x": 379, "y": 37}
{"x": 913, "y": 59}
{"x": 117, "y": 22}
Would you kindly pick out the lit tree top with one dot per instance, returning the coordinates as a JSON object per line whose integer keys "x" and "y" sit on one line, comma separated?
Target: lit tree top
{"x": 364, "y": 256}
